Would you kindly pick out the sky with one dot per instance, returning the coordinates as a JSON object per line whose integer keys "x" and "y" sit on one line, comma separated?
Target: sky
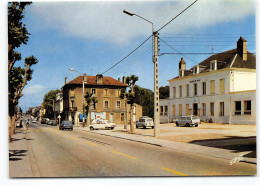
{"x": 90, "y": 37}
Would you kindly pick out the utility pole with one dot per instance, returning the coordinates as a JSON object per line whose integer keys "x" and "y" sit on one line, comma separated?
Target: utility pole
{"x": 83, "y": 101}
{"x": 156, "y": 86}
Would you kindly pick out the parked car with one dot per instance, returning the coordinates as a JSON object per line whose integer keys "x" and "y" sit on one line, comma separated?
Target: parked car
{"x": 66, "y": 125}
{"x": 34, "y": 120}
{"x": 19, "y": 124}
{"x": 44, "y": 120}
{"x": 51, "y": 122}
{"x": 144, "y": 122}
{"x": 188, "y": 121}
{"x": 102, "y": 124}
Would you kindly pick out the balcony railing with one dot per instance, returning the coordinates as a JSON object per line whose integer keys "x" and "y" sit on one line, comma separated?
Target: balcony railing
{"x": 72, "y": 109}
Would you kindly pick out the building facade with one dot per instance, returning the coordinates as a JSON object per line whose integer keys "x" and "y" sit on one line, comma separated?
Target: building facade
{"x": 221, "y": 88}
{"x": 106, "y": 90}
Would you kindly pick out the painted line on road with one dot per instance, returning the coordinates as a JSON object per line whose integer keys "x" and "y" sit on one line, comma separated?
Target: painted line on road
{"x": 178, "y": 173}
{"x": 74, "y": 138}
{"x": 124, "y": 155}
{"x": 91, "y": 143}
{"x": 37, "y": 130}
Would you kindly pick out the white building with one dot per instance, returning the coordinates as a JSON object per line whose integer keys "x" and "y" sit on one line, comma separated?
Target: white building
{"x": 221, "y": 88}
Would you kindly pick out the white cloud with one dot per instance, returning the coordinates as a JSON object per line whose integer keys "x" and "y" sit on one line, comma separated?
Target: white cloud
{"x": 34, "y": 89}
{"x": 105, "y": 20}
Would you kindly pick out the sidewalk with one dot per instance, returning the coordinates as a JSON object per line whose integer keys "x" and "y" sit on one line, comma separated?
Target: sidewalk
{"x": 148, "y": 138}
{"x": 19, "y": 160}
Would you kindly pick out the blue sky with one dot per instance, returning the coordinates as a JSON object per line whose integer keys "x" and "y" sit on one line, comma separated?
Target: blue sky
{"x": 92, "y": 36}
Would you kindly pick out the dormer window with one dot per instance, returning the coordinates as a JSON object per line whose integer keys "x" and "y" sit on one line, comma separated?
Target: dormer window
{"x": 196, "y": 69}
{"x": 213, "y": 65}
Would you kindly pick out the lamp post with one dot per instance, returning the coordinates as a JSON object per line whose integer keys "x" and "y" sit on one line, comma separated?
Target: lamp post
{"x": 83, "y": 87}
{"x": 156, "y": 77}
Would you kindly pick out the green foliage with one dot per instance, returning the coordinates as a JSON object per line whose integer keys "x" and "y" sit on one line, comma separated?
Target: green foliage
{"x": 144, "y": 97}
{"x": 90, "y": 100}
{"x": 48, "y": 101}
{"x": 164, "y": 92}
{"x": 17, "y": 34}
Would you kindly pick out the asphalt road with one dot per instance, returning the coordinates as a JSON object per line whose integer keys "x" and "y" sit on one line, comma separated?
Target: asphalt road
{"x": 79, "y": 153}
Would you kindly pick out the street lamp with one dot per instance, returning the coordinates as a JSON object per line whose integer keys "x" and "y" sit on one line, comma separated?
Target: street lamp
{"x": 83, "y": 87}
{"x": 156, "y": 81}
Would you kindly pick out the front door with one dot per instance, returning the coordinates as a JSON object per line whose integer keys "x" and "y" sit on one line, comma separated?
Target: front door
{"x": 195, "y": 109}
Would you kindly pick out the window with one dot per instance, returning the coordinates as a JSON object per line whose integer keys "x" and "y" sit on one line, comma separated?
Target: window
{"x": 188, "y": 90}
{"x": 187, "y": 110}
{"x": 118, "y": 104}
{"x": 161, "y": 110}
{"x": 106, "y": 104}
{"x": 180, "y": 90}
{"x": 72, "y": 103}
{"x": 165, "y": 110}
{"x": 180, "y": 109}
{"x": 72, "y": 92}
{"x": 221, "y": 109}
{"x": 204, "y": 88}
{"x": 212, "y": 86}
{"x": 247, "y": 107}
{"x": 173, "y": 110}
{"x": 174, "y": 92}
{"x": 222, "y": 86}
{"x": 203, "y": 109}
{"x": 195, "y": 90}
{"x": 106, "y": 92}
{"x": 237, "y": 107}
{"x": 212, "y": 109}
{"x": 93, "y": 91}
{"x": 118, "y": 92}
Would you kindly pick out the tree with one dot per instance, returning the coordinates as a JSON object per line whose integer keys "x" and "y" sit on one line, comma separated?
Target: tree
{"x": 90, "y": 100}
{"x": 144, "y": 97}
{"x": 18, "y": 77}
{"x": 48, "y": 101}
{"x": 164, "y": 92}
{"x": 130, "y": 96}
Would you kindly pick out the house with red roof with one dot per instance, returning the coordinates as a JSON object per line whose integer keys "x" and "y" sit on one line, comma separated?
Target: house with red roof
{"x": 107, "y": 92}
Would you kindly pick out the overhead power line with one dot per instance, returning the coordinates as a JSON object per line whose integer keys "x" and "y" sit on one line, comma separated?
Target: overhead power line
{"x": 127, "y": 55}
{"x": 176, "y": 50}
{"x": 177, "y": 15}
{"x": 202, "y": 53}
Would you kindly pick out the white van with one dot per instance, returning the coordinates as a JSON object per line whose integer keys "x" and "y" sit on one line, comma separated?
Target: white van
{"x": 188, "y": 121}
{"x": 144, "y": 122}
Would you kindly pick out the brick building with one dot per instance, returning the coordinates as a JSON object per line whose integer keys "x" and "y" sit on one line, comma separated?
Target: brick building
{"x": 107, "y": 92}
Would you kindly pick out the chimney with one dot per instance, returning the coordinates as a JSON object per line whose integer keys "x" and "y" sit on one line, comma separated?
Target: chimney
{"x": 65, "y": 80}
{"x": 119, "y": 79}
{"x": 99, "y": 78}
{"x": 242, "y": 48}
{"x": 123, "y": 79}
{"x": 182, "y": 67}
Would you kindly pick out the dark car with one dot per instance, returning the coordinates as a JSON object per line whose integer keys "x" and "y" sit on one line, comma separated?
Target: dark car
{"x": 66, "y": 125}
{"x": 44, "y": 120}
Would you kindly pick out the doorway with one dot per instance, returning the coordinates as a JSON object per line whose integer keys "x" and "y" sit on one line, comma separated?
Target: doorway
{"x": 195, "y": 109}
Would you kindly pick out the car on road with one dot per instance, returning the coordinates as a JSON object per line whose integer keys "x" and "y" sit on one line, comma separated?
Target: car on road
{"x": 44, "y": 120}
{"x": 34, "y": 120}
{"x": 66, "y": 125}
{"x": 144, "y": 122}
{"x": 51, "y": 122}
{"x": 188, "y": 121}
{"x": 19, "y": 124}
{"x": 102, "y": 124}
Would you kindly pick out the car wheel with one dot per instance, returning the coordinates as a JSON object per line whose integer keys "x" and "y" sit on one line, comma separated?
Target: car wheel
{"x": 136, "y": 126}
{"x": 91, "y": 128}
{"x": 187, "y": 125}
{"x": 152, "y": 127}
{"x": 112, "y": 128}
{"x": 144, "y": 127}
{"x": 196, "y": 125}
{"x": 177, "y": 124}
